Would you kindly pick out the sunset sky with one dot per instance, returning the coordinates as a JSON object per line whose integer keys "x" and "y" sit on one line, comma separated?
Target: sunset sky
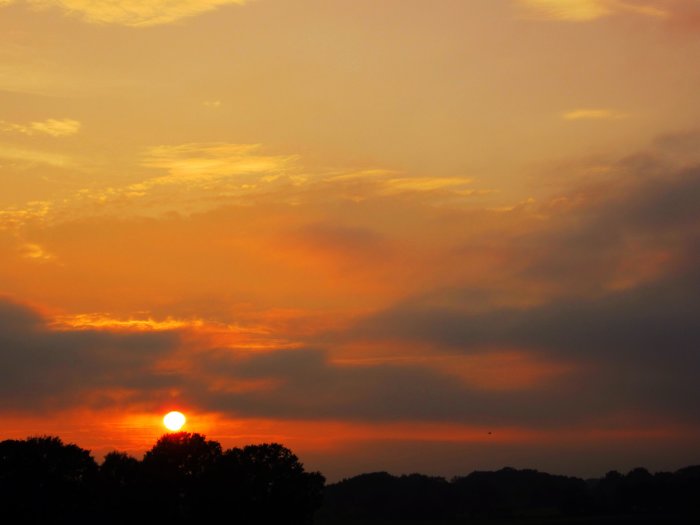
{"x": 390, "y": 234}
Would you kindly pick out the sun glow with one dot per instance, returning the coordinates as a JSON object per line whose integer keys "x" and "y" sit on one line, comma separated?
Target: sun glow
{"x": 174, "y": 421}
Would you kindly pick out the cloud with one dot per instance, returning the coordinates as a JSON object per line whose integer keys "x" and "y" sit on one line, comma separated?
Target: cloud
{"x": 627, "y": 263}
{"x": 592, "y": 114}
{"x": 207, "y": 162}
{"x": 343, "y": 241}
{"x": 105, "y": 321}
{"x": 574, "y": 10}
{"x": 305, "y": 384}
{"x": 133, "y": 13}
{"x": 382, "y": 183}
{"x": 44, "y": 368}
{"x": 209, "y": 172}
{"x": 53, "y": 127}
{"x": 203, "y": 176}
{"x": 53, "y": 366}
{"x": 36, "y": 252}
{"x": 640, "y": 346}
{"x": 32, "y": 157}
{"x": 17, "y": 218}
{"x": 588, "y": 10}
{"x": 611, "y": 349}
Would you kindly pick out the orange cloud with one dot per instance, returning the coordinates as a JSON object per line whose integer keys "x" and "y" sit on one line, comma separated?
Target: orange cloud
{"x": 592, "y": 114}
{"x": 108, "y": 322}
{"x": 31, "y": 157}
{"x": 53, "y": 127}
{"x": 134, "y": 13}
{"x": 490, "y": 370}
{"x": 587, "y": 10}
{"x": 36, "y": 252}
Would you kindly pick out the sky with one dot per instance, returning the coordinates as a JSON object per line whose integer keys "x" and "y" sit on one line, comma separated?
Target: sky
{"x": 390, "y": 234}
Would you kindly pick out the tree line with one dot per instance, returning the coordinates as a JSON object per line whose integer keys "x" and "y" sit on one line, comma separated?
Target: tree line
{"x": 511, "y": 493}
{"x": 183, "y": 478}
{"x": 186, "y": 478}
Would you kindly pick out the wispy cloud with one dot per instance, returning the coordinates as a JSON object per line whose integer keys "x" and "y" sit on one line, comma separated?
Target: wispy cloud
{"x": 31, "y": 156}
{"x": 199, "y": 176}
{"x": 587, "y": 10}
{"x": 373, "y": 182}
{"x": 206, "y": 162}
{"x": 53, "y": 127}
{"x": 36, "y": 252}
{"x": 592, "y": 114}
{"x": 134, "y": 13}
{"x": 97, "y": 321}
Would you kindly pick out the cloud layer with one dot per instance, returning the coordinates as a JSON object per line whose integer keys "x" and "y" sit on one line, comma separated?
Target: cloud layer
{"x": 134, "y": 13}
{"x": 46, "y": 369}
{"x": 53, "y": 127}
{"x": 567, "y": 325}
{"x": 587, "y": 10}
{"x": 622, "y": 338}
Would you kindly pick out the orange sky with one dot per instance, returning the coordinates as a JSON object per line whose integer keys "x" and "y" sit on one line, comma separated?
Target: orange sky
{"x": 374, "y": 231}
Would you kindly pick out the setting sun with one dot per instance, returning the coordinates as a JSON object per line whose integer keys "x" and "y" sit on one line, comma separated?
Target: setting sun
{"x": 174, "y": 421}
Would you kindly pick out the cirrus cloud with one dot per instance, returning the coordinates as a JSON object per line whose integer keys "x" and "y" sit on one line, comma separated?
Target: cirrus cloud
{"x": 53, "y": 127}
{"x": 133, "y": 13}
{"x": 592, "y": 114}
{"x": 587, "y": 10}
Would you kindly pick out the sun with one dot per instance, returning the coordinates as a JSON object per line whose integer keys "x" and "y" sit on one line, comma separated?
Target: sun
{"x": 174, "y": 421}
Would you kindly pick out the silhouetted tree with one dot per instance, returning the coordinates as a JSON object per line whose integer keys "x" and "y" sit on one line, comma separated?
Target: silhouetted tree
{"x": 638, "y": 497}
{"x": 379, "y": 495}
{"x": 186, "y": 478}
{"x": 267, "y": 484}
{"x": 121, "y": 488}
{"x": 511, "y": 492}
{"x": 178, "y": 476}
{"x": 42, "y": 480}
{"x": 686, "y": 490}
{"x": 183, "y": 478}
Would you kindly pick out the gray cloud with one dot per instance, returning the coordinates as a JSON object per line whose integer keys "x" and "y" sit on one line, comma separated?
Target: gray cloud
{"x": 642, "y": 340}
{"x": 343, "y": 240}
{"x": 307, "y": 385}
{"x": 635, "y": 349}
{"x": 41, "y": 367}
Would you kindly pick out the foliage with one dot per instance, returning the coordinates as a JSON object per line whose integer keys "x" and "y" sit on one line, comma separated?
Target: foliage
{"x": 41, "y": 478}
{"x": 510, "y": 494}
{"x": 185, "y": 478}
{"x": 182, "y": 478}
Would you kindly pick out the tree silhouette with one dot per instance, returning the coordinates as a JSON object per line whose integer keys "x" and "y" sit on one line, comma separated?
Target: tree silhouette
{"x": 178, "y": 476}
{"x": 42, "y": 480}
{"x": 188, "y": 478}
{"x": 379, "y": 495}
{"x": 121, "y": 488}
{"x": 185, "y": 478}
{"x": 267, "y": 484}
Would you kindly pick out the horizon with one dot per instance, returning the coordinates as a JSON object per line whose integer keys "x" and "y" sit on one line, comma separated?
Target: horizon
{"x": 429, "y": 238}
{"x": 99, "y": 460}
